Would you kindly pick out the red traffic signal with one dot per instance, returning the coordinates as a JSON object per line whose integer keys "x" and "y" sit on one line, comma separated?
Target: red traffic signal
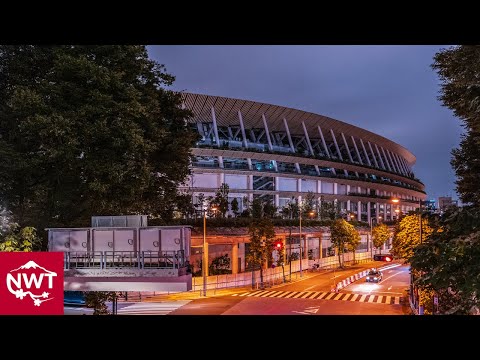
{"x": 278, "y": 245}
{"x": 388, "y": 258}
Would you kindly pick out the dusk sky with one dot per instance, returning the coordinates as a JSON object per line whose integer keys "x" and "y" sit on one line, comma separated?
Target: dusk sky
{"x": 389, "y": 90}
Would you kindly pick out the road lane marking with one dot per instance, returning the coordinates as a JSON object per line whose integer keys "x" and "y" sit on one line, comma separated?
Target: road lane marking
{"x": 286, "y": 293}
{"x": 371, "y": 297}
{"x": 298, "y": 295}
{"x": 388, "y": 299}
{"x": 354, "y": 297}
{"x": 330, "y": 296}
{"x": 310, "y": 287}
{"x": 338, "y": 296}
{"x": 254, "y": 293}
{"x": 272, "y": 294}
{"x": 307, "y": 294}
{"x": 389, "y": 288}
{"x": 397, "y": 300}
{"x": 290, "y": 295}
{"x": 346, "y": 297}
{"x": 379, "y": 300}
{"x": 322, "y": 295}
{"x": 261, "y": 293}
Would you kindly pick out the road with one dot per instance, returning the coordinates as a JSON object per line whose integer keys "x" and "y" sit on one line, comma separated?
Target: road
{"x": 310, "y": 295}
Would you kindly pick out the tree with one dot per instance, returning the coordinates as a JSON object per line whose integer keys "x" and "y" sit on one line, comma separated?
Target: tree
{"x": 354, "y": 241}
{"x": 343, "y": 237}
{"x": 221, "y": 199}
{"x": 19, "y": 239}
{"x": 185, "y": 205}
{"x": 449, "y": 261}
{"x": 309, "y": 203}
{"x": 98, "y": 299}
{"x": 234, "y": 206}
{"x": 407, "y": 236}
{"x": 262, "y": 235}
{"x": 459, "y": 69}
{"x": 256, "y": 208}
{"x": 380, "y": 234}
{"x": 220, "y": 265}
{"x": 269, "y": 209}
{"x": 89, "y": 130}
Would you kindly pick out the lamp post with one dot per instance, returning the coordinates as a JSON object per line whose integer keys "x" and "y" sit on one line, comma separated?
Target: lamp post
{"x": 205, "y": 252}
{"x": 420, "y": 219}
{"x": 300, "y": 242}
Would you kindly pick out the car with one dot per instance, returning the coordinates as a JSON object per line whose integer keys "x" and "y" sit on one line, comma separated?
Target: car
{"x": 374, "y": 275}
{"x": 383, "y": 257}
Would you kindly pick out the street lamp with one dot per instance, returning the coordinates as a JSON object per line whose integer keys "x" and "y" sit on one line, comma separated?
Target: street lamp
{"x": 205, "y": 252}
{"x": 311, "y": 213}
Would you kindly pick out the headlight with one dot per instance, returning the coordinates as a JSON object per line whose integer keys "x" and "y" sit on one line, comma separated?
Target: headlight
{"x": 374, "y": 278}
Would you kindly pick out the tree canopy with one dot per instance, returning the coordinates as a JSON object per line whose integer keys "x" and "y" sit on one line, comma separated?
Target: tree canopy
{"x": 344, "y": 237}
{"x": 89, "y": 130}
{"x": 380, "y": 234}
{"x": 459, "y": 70}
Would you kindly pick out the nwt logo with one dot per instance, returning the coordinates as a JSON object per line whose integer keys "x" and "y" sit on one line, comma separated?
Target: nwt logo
{"x": 28, "y": 281}
{"x": 31, "y": 283}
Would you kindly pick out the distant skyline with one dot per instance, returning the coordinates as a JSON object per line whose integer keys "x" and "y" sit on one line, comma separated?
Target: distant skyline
{"x": 389, "y": 90}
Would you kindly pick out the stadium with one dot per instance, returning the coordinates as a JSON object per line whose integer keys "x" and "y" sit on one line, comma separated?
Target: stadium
{"x": 282, "y": 154}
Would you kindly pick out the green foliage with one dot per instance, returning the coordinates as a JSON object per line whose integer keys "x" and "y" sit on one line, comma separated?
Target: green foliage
{"x": 220, "y": 265}
{"x": 20, "y": 239}
{"x": 329, "y": 210}
{"x": 97, "y": 300}
{"x": 309, "y": 203}
{"x": 380, "y": 234}
{"x": 221, "y": 199}
{"x": 449, "y": 261}
{"x": 344, "y": 237}
{"x": 256, "y": 208}
{"x": 459, "y": 70}
{"x": 262, "y": 235}
{"x": 89, "y": 130}
{"x": 235, "y": 207}
{"x": 407, "y": 236}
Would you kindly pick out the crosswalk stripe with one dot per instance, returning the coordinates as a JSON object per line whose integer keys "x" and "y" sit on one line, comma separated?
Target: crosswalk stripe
{"x": 307, "y": 293}
{"x": 290, "y": 295}
{"x": 299, "y": 294}
{"x": 323, "y": 295}
{"x": 330, "y": 296}
{"x": 284, "y": 294}
{"x": 354, "y": 297}
{"x": 151, "y": 308}
{"x": 279, "y": 294}
{"x": 317, "y": 295}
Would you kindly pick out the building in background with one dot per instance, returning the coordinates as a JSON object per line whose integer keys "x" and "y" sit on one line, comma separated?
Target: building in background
{"x": 280, "y": 154}
{"x": 444, "y": 202}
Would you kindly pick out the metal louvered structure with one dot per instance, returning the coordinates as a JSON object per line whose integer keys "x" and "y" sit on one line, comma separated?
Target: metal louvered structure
{"x": 280, "y": 153}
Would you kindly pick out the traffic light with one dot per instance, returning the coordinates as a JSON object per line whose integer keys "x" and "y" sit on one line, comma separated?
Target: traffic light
{"x": 388, "y": 258}
{"x": 278, "y": 245}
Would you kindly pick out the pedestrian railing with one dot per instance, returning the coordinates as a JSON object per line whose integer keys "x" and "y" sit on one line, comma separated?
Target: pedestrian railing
{"x": 124, "y": 259}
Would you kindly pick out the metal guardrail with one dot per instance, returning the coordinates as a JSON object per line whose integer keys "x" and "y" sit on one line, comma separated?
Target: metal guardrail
{"x": 124, "y": 259}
